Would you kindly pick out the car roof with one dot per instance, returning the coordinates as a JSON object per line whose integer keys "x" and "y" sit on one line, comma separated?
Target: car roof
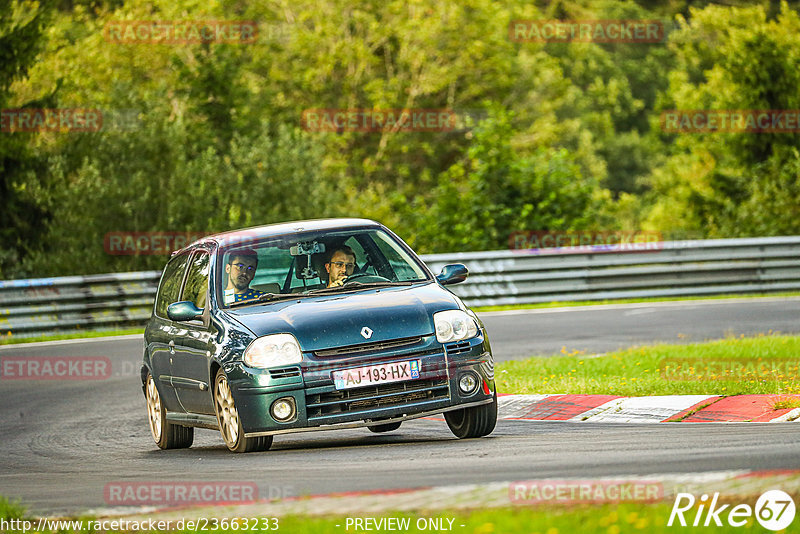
{"x": 245, "y": 235}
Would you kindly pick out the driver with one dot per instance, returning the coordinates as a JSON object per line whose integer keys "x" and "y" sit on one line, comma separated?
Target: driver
{"x": 241, "y": 269}
{"x": 340, "y": 266}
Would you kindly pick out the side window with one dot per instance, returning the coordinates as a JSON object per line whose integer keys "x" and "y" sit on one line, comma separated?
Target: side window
{"x": 170, "y": 284}
{"x": 401, "y": 263}
{"x": 196, "y": 286}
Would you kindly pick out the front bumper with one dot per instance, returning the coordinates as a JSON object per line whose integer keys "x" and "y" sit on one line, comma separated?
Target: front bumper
{"x": 320, "y": 406}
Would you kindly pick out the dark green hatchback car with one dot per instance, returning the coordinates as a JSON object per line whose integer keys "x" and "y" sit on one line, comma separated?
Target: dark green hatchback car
{"x": 311, "y": 325}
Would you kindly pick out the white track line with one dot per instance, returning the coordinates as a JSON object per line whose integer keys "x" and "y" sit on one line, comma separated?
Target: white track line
{"x": 68, "y": 341}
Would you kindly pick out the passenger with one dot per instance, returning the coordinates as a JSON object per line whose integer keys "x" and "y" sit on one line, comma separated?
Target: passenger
{"x": 340, "y": 266}
{"x": 241, "y": 269}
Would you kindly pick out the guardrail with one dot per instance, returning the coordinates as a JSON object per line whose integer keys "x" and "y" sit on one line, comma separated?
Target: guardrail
{"x": 669, "y": 269}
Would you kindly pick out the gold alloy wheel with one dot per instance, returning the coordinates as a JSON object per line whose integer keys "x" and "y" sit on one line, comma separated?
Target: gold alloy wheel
{"x": 154, "y": 409}
{"x": 226, "y": 412}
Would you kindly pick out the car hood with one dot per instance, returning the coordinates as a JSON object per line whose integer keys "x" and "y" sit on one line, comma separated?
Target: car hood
{"x": 338, "y": 320}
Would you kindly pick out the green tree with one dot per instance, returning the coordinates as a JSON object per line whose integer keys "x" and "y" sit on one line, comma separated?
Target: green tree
{"x": 154, "y": 181}
{"x": 718, "y": 183}
{"x": 22, "y": 216}
{"x": 495, "y": 191}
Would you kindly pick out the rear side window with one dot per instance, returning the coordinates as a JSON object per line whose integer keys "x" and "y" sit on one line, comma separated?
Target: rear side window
{"x": 196, "y": 287}
{"x": 404, "y": 267}
{"x": 170, "y": 284}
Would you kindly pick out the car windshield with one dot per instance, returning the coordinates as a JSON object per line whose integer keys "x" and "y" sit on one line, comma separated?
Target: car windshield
{"x": 299, "y": 265}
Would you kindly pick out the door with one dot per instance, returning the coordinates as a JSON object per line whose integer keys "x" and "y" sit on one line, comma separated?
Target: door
{"x": 162, "y": 330}
{"x": 193, "y": 344}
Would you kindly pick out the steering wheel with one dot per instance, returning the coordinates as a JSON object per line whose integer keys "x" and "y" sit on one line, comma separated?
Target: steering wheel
{"x": 363, "y": 278}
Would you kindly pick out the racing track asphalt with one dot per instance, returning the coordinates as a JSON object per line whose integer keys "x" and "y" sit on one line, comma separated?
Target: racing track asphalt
{"x": 62, "y": 442}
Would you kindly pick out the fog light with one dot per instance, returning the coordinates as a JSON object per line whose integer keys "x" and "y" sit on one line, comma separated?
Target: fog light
{"x": 283, "y": 409}
{"x": 468, "y": 383}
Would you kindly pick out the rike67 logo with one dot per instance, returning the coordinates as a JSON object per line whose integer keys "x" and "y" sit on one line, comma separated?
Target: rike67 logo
{"x": 774, "y": 510}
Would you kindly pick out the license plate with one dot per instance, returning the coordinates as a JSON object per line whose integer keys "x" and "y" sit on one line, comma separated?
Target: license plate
{"x": 376, "y": 374}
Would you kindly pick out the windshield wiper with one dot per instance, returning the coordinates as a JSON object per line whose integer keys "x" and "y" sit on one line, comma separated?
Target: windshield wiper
{"x": 355, "y": 284}
{"x": 378, "y": 284}
{"x": 267, "y": 297}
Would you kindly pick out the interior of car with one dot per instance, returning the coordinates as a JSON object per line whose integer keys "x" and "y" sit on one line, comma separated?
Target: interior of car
{"x": 297, "y": 266}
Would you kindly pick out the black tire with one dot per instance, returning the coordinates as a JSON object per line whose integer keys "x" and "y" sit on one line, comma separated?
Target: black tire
{"x": 386, "y": 427}
{"x": 474, "y": 422}
{"x": 230, "y": 426}
{"x": 166, "y": 435}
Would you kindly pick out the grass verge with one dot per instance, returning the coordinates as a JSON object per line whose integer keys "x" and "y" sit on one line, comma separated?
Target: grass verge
{"x": 11, "y": 509}
{"x": 736, "y": 366}
{"x": 782, "y": 403}
{"x": 563, "y": 304}
{"x": 6, "y": 339}
{"x": 585, "y": 518}
{"x": 605, "y": 519}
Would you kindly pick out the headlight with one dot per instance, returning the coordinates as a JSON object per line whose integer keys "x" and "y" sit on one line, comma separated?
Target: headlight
{"x": 454, "y": 325}
{"x": 273, "y": 351}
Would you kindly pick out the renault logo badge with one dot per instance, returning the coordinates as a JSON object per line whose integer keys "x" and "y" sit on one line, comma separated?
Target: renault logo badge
{"x": 366, "y": 332}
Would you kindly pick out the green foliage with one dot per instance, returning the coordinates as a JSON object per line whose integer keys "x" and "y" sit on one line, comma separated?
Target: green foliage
{"x": 602, "y": 97}
{"x": 174, "y": 187}
{"x": 22, "y": 28}
{"x": 494, "y": 191}
{"x": 10, "y": 509}
{"x": 772, "y": 206}
{"x": 566, "y": 135}
{"x": 737, "y": 183}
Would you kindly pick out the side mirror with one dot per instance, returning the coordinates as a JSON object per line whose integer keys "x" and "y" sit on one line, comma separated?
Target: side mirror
{"x": 453, "y": 274}
{"x": 183, "y": 311}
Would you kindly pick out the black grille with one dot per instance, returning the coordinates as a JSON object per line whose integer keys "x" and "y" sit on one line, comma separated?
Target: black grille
{"x": 373, "y": 397}
{"x": 368, "y": 347}
{"x": 458, "y": 348}
{"x": 285, "y": 372}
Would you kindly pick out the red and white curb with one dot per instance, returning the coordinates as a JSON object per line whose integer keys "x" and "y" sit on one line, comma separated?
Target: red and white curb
{"x": 652, "y": 409}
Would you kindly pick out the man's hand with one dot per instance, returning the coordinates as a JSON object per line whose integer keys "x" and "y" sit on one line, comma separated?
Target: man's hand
{"x": 339, "y": 282}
